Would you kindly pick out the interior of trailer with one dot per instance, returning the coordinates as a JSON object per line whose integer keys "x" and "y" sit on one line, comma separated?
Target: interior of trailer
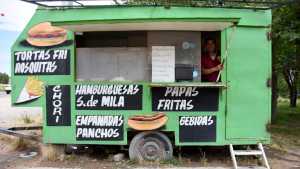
{"x": 142, "y": 56}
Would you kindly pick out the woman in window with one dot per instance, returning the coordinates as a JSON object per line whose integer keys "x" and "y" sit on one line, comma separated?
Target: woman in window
{"x": 210, "y": 62}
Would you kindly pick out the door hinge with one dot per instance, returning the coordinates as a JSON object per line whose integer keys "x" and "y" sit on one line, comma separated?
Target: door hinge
{"x": 269, "y": 35}
{"x": 269, "y": 82}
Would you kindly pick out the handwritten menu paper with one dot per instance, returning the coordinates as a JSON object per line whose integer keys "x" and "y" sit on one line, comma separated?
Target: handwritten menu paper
{"x": 163, "y": 63}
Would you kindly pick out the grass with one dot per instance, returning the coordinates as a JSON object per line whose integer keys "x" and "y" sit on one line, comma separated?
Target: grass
{"x": 26, "y": 119}
{"x": 53, "y": 152}
{"x": 173, "y": 161}
{"x": 19, "y": 144}
{"x": 12, "y": 143}
{"x": 1, "y": 87}
{"x": 286, "y": 126}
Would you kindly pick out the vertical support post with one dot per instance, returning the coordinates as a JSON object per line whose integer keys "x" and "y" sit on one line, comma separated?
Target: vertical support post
{"x": 232, "y": 154}
{"x": 261, "y": 148}
{"x": 179, "y": 154}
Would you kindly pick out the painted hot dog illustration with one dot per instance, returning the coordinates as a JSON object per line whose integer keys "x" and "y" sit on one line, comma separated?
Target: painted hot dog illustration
{"x": 147, "y": 122}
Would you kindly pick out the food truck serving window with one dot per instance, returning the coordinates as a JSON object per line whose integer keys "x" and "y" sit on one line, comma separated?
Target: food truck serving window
{"x": 112, "y": 56}
{"x": 175, "y": 55}
{"x": 156, "y": 56}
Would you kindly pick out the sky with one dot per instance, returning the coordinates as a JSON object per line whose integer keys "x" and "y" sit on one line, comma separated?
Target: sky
{"x": 14, "y": 15}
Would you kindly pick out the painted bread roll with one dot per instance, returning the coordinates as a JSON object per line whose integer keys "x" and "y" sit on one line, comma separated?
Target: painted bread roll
{"x": 43, "y": 34}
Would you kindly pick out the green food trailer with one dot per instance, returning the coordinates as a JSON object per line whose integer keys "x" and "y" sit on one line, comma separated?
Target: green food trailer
{"x": 132, "y": 75}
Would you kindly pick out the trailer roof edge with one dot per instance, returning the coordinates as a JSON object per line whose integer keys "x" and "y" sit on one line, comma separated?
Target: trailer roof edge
{"x": 234, "y": 4}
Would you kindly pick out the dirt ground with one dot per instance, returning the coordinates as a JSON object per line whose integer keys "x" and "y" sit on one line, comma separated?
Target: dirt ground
{"x": 287, "y": 157}
{"x": 99, "y": 159}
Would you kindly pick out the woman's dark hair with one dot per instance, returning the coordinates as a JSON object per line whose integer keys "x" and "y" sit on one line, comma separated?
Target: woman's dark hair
{"x": 210, "y": 39}
{"x": 206, "y": 42}
{"x": 214, "y": 41}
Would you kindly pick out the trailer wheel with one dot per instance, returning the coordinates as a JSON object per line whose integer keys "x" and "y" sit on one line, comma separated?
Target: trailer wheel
{"x": 150, "y": 146}
{"x": 69, "y": 149}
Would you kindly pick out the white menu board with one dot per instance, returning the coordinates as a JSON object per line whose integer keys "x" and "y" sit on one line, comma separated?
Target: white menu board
{"x": 163, "y": 63}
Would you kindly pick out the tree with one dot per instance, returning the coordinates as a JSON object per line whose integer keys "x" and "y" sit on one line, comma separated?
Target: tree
{"x": 4, "y": 78}
{"x": 286, "y": 36}
{"x": 211, "y": 3}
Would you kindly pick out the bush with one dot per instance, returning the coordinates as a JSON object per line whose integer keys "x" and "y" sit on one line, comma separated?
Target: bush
{"x": 4, "y": 78}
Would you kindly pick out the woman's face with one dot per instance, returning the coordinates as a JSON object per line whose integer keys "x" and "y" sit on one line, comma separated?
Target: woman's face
{"x": 210, "y": 46}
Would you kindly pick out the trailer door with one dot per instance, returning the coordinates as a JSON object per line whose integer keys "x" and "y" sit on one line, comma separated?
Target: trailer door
{"x": 248, "y": 96}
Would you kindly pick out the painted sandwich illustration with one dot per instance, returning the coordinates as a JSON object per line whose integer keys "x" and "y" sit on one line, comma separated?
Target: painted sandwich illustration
{"x": 147, "y": 122}
{"x": 32, "y": 89}
{"x": 44, "y": 34}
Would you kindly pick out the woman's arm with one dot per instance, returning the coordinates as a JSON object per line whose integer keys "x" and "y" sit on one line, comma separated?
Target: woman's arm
{"x": 208, "y": 71}
{"x": 212, "y": 70}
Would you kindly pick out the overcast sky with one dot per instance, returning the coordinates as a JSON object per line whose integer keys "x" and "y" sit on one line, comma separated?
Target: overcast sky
{"x": 14, "y": 15}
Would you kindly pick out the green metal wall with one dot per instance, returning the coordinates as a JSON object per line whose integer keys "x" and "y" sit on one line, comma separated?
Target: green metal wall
{"x": 244, "y": 108}
{"x": 248, "y": 96}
